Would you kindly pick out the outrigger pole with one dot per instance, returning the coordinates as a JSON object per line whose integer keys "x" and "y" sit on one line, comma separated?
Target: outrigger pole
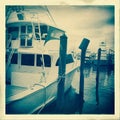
{"x": 50, "y": 16}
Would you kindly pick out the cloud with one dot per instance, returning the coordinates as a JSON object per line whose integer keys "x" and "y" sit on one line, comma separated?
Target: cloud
{"x": 93, "y": 22}
{"x": 83, "y": 16}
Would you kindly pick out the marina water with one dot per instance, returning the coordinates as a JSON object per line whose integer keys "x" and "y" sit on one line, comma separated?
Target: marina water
{"x": 98, "y": 96}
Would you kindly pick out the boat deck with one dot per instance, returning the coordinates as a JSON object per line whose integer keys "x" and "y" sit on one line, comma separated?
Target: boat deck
{"x": 13, "y": 90}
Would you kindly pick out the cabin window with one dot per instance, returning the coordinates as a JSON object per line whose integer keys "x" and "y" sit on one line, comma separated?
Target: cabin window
{"x": 20, "y": 16}
{"x": 47, "y": 60}
{"x": 23, "y": 29}
{"x": 26, "y": 36}
{"x": 29, "y": 40}
{"x": 36, "y": 29}
{"x": 44, "y": 30}
{"x": 41, "y": 33}
{"x": 14, "y": 32}
{"x": 22, "y": 41}
{"x": 27, "y": 59}
{"x": 29, "y": 29}
{"x": 69, "y": 59}
{"x": 37, "y": 33}
{"x": 26, "y": 40}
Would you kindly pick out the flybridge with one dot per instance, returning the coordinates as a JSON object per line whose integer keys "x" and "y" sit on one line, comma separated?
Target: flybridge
{"x": 24, "y": 29}
{"x": 26, "y": 32}
{"x": 27, "y": 24}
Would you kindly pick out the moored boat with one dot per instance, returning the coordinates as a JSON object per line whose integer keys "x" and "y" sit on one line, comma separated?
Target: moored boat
{"x": 32, "y": 64}
{"x": 104, "y": 55}
{"x": 88, "y": 60}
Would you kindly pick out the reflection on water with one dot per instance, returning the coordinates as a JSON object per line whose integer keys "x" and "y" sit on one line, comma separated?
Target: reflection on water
{"x": 98, "y": 90}
{"x": 98, "y": 94}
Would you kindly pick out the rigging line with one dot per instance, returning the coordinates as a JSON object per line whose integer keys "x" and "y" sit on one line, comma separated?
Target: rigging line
{"x": 38, "y": 21}
{"x": 32, "y": 22}
{"x": 50, "y": 16}
{"x": 43, "y": 66}
{"x": 42, "y": 58}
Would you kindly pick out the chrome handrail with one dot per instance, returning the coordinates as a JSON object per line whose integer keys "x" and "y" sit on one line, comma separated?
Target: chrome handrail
{"x": 39, "y": 84}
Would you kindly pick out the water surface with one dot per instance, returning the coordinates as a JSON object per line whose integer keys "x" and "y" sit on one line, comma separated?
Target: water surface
{"x": 98, "y": 95}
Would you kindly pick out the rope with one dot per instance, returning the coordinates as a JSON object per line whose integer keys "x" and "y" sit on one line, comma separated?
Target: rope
{"x": 43, "y": 70}
{"x": 43, "y": 66}
{"x": 33, "y": 29}
{"x": 43, "y": 78}
{"x": 61, "y": 78}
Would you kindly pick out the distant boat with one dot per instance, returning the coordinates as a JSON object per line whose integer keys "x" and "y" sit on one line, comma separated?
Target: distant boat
{"x": 32, "y": 66}
{"x": 88, "y": 60}
{"x": 111, "y": 58}
{"x": 104, "y": 55}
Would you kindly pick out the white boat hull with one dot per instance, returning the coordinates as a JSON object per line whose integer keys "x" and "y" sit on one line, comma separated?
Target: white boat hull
{"x": 36, "y": 99}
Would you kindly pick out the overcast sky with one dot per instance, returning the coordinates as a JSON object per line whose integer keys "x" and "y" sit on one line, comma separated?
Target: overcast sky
{"x": 93, "y": 22}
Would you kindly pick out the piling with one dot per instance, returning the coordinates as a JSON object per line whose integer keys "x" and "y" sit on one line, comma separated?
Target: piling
{"x": 97, "y": 76}
{"x": 83, "y": 46}
{"x": 62, "y": 70}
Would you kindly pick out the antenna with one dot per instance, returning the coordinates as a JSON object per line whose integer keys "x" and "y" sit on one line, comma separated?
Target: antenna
{"x": 50, "y": 16}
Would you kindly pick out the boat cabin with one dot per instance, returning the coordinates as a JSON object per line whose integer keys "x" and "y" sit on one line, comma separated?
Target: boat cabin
{"x": 23, "y": 65}
{"x": 28, "y": 55}
{"x": 25, "y": 32}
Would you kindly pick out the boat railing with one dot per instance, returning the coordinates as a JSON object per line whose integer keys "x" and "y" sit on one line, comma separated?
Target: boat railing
{"x": 11, "y": 52}
{"x": 10, "y": 57}
{"x": 36, "y": 84}
{"x": 8, "y": 40}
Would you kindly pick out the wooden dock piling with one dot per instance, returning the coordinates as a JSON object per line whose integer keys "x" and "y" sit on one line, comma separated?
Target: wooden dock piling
{"x": 62, "y": 70}
{"x": 97, "y": 76}
{"x": 83, "y": 46}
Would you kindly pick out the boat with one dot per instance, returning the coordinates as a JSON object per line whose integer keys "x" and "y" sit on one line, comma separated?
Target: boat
{"x": 32, "y": 64}
{"x": 103, "y": 56}
{"x": 88, "y": 60}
